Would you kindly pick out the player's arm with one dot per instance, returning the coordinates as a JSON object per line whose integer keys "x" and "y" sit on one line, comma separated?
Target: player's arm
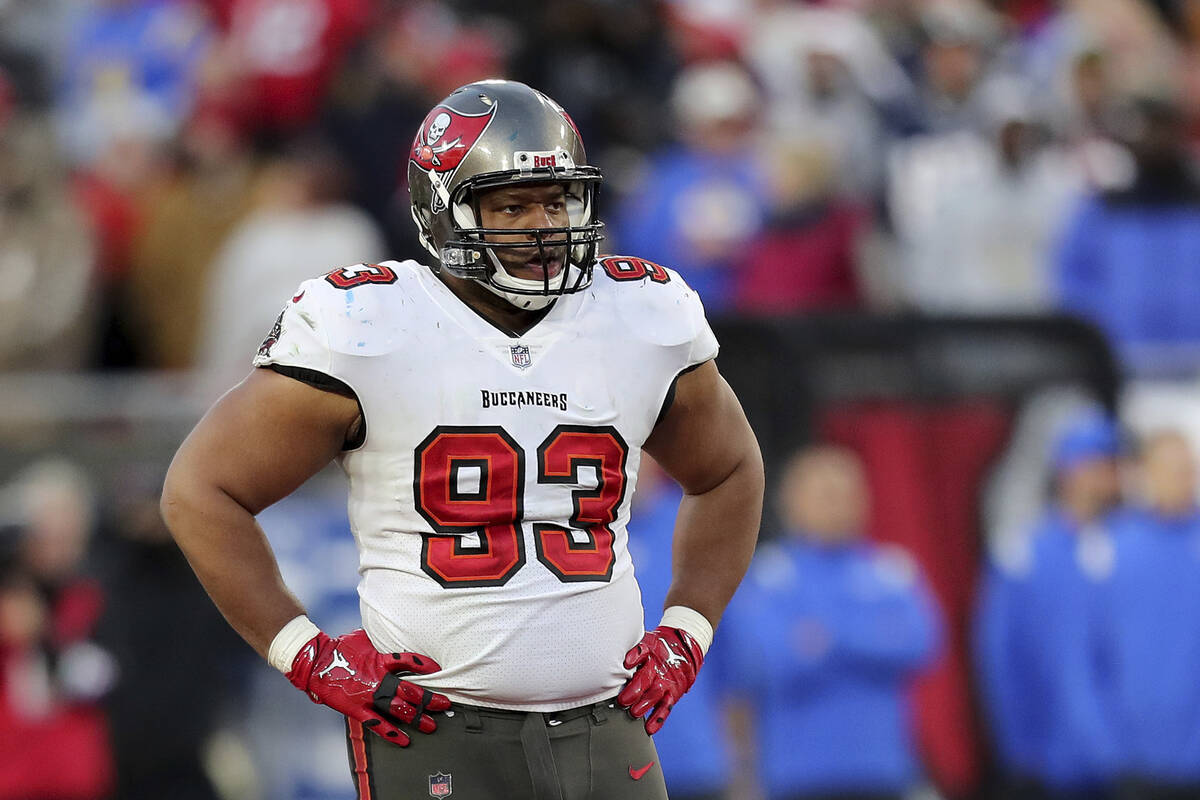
{"x": 258, "y": 444}
{"x": 705, "y": 443}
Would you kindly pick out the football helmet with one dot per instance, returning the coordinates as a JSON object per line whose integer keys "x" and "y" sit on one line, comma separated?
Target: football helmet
{"x": 495, "y": 133}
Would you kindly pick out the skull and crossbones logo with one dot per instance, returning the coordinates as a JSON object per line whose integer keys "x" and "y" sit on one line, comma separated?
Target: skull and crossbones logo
{"x": 428, "y": 148}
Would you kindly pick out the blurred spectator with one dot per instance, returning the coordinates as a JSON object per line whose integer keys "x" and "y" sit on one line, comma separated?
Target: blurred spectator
{"x": 958, "y": 44}
{"x": 165, "y": 634}
{"x": 710, "y": 30}
{"x": 47, "y": 307}
{"x": 692, "y": 749}
{"x": 975, "y": 211}
{"x": 1130, "y": 34}
{"x": 415, "y": 56}
{"x": 186, "y": 215}
{"x": 806, "y": 257}
{"x": 1036, "y": 628}
{"x": 823, "y": 641}
{"x": 129, "y": 69}
{"x": 30, "y": 38}
{"x": 301, "y": 228}
{"x": 611, "y": 62}
{"x": 1089, "y": 93}
{"x": 701, "y": 202}
{"x": 1127, "y": 257}
{"x": 1152, "y": 641}
{"x": 1081, "y": 61}
{"x": 52, "y": 673}
{"x": 110, "y": 191}
{"x": 829, "y": 85}
{"x": 286, "y": 52}
{"x": 1083, "y": 122}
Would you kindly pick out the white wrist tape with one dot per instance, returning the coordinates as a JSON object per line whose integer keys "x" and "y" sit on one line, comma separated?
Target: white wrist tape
{"x": 692, "y": 621}
{"x": 288, "y": 641}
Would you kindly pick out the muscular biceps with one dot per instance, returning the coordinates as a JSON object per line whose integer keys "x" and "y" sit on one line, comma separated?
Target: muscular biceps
{"x": 705, "y": 443}
{"x": 266, "y": 437}
{"x": 703, "y": 437}
{"x": 257, "y": 444}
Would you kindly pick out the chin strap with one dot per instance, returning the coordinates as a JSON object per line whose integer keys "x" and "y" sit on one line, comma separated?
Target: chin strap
{"x": 526, "y": 302}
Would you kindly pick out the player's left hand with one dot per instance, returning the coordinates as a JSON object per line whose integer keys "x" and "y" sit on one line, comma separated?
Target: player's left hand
{"x": 665, "y": 661}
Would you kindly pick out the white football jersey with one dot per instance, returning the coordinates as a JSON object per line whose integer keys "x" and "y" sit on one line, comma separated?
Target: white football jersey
{"x": 490, "y": 497}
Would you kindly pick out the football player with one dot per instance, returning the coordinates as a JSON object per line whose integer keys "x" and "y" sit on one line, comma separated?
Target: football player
{"x": 490, "y": 412}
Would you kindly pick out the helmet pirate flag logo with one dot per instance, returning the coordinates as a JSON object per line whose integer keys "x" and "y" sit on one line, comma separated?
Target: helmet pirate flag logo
{"x": 446, "y": 136}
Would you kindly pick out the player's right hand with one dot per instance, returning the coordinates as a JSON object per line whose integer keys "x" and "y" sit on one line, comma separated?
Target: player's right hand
{"x": 349, "y": 675}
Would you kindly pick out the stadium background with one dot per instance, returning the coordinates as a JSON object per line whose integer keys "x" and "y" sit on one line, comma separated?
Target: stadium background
{"x": 888, "y": 207}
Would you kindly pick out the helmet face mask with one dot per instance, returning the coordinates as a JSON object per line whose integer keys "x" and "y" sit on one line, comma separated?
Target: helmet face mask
{"x": 494, "y": 134}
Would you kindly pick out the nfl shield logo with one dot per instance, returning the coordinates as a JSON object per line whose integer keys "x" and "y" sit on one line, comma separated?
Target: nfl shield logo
{"x": 439, "y": 785}
{"x": 520, "y": 356}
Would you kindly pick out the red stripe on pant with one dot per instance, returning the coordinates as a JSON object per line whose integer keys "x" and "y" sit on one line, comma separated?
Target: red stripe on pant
{"x": 362, "y": 781}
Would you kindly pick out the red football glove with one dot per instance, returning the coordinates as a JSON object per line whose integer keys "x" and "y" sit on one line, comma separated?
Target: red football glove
{"x": 349, "y": 675}
{"x": 666, "y": 661}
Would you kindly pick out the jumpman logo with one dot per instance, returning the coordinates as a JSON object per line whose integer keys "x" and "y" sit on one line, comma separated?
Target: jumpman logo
{"x": 338, "y": 661}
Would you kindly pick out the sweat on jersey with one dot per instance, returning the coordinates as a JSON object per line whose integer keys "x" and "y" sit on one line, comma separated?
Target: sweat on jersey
{"x": 490, "y": 497}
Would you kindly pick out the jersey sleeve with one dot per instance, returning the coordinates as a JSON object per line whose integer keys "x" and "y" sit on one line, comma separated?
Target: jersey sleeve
{"x": 658, "y": 306}
{"x": 336, "y": 320}
{"x": 704, "y": 344}
{"x": 300, "y": 337}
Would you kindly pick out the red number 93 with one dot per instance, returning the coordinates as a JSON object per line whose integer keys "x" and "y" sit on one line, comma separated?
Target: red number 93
{"x": 472, "y": 479}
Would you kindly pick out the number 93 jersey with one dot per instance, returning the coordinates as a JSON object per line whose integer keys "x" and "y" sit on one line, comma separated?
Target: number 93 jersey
{"x": 490, "y": 495}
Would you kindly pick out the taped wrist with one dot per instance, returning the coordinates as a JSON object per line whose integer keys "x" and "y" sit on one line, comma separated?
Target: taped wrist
{"x": 287, "y": 643}
{"x": 692, "y": 621}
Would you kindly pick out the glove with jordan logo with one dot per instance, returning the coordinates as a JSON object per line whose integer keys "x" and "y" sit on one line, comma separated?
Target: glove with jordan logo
{"x": 349, "y": 675}
{"x": 665, "y": 663}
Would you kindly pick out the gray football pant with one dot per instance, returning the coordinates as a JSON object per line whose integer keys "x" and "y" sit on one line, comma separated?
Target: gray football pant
{"x": 594, "y": 752}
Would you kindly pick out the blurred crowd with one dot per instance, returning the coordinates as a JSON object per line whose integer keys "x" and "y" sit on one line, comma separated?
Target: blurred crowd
{"x": 1083, "y": 642}
{"x": 115, "y": 668}
{"x": 1085, "y": 635}
{"x": 177, "y": 166}
{"x": 170, "y": 171}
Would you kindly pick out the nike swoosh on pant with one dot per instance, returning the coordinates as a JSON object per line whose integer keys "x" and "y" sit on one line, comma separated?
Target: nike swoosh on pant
{"x": 638, "y": 774}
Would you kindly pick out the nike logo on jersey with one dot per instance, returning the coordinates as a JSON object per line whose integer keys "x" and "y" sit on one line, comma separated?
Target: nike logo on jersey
{"x": 296, "y": 299}
{"x": 638, "y": 774}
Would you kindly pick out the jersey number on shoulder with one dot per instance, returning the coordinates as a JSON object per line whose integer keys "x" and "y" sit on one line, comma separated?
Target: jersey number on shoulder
{"x": 624, "y": 268}
{"x": 349, "y": 277}
{"x": 471, "y": 480}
